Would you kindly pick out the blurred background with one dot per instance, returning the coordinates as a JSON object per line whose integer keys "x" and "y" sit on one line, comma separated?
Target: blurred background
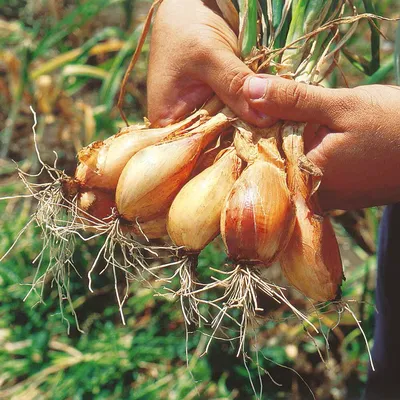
{"x": 67, "y": 58}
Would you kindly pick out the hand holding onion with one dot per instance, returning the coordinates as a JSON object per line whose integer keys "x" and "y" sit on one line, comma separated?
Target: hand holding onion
{"x": 193, "y": 54}
{"x": 270, "y": 211}
{"x": 357, "y": 146}
{"x": 251, "y": 171}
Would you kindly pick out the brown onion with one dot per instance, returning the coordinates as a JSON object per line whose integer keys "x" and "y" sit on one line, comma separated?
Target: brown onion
{"x": 257, "y": 218}
{"x": 194, "y": 217}
{"x": 154, "y": 176}
{"x": 312, "y": 261}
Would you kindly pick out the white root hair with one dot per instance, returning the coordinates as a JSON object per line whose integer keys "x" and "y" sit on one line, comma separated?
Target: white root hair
{"x": 62, "y": 223}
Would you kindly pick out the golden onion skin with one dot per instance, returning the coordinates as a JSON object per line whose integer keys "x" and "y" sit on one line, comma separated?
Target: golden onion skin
{"x": 312, "y": 261}
{"x": 195, "y": 214}
{"x": 153, "y": 177}
{"x": 258, "y": 216}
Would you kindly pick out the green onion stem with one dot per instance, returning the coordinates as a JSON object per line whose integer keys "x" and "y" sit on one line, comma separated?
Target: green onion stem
{"x": 375, "y": 37}
{"x": 248, "y": 14}
{"x": 397, "y": 55}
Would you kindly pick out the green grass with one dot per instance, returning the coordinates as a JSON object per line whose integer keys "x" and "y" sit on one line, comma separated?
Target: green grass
{"x": 85, "y": 55}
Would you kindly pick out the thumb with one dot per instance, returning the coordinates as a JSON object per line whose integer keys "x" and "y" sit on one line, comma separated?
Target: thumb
{"x": 173, "y": 93}
{"x": 223, "y": 71}
{"x": 286, "y": 99}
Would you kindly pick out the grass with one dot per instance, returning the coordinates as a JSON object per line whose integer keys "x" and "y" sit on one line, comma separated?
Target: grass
{"x": 68, "y": 62}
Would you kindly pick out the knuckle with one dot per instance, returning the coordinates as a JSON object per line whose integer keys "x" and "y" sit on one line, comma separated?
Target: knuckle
{"x": 372, "y": 104}
{"x": 235, "y": 79}
{"x": 293, "y": 95}
{"x": 297, "y": 95}
{"x": 367, "y": 97}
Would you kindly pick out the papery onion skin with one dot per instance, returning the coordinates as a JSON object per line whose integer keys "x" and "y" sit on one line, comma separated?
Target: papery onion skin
{"x": 153, "y": 177}
{"x": 194, "y": 217}
{"x": 258, "y": 216}
{"x": 312, "y": 261}
{"x": 87, "y": 177}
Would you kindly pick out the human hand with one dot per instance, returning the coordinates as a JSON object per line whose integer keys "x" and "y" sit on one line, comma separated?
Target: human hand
{"x": 357, "y": 144}
{"x": 194, "y": 53}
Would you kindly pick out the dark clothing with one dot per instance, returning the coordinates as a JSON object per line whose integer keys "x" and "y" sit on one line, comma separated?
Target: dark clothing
{"x": 384, "y": 383}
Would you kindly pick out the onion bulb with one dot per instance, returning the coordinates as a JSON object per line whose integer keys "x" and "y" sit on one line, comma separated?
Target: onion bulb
{"x": 258, "y": 216}
{"x": 102, "y": 162}
{"x": 153, "y": 177}
{"x": 312, "y": 261}
{"x": 195, "y": 214}
{"x": 154, "y": 229}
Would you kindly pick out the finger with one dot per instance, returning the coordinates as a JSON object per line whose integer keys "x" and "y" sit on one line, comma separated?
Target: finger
{"x": 170, "y": 98}
{"x": 286, "y": 99}
{"x": 194, "y": 53}
{"x": 171, "y": 92}
{"x": 183, "y": 37}
{"x": 222, "y": 70}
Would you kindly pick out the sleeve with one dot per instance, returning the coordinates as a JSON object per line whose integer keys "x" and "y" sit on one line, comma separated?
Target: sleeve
{"x": 384, "y": 382}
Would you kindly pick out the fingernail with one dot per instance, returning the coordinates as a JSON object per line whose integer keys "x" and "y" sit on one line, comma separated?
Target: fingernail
{"x": 257, "y": 88}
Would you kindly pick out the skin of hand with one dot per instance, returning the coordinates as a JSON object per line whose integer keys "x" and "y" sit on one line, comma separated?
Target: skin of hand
{"x": 193, "y": 53}
{"x": 353, "y": 135}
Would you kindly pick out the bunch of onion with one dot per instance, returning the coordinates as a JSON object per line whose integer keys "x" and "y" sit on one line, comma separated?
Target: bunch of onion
{"x": 146, "y": 186}
{"x": 267, "y": 213}
{"x": 271, "y": 212}
{"x": 259, "y": 210}
{"x": 122, "y": 190}
{"x": 260, "y": 193}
